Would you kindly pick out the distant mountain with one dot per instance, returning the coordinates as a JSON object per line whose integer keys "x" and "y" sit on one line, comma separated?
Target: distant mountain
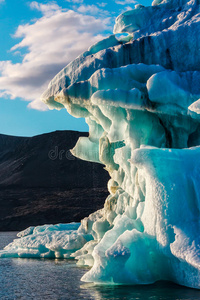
{"x": 41, "y": 182}
{"x": 46, "y": 161}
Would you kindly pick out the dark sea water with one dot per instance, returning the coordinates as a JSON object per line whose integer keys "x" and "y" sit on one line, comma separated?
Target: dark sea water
{"x": 60, "y": 279}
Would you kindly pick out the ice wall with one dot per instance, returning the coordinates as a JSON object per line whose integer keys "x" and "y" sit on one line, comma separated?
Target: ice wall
{"x": 140, "y": 97}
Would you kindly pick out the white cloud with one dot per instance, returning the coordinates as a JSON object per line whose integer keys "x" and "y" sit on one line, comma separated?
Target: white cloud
{"x": 93, "y": 9}
{"x": 102, "y": 4}
{"x": 74, "y": 1}
{"x": 47, "y": 10}
{"x": 128, "y": 8}
{"x": 52, "y": 42}
{"x": 38, "y": 105}
{"x": 125, "y": 2}
{"x": 1, "y": 1}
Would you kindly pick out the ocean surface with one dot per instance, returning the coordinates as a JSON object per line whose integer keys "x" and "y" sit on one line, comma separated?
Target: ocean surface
{"x": 60, "y": 279}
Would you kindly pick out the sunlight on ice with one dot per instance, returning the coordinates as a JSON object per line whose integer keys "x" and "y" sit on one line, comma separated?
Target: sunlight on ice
{"x": 140, "y": 97}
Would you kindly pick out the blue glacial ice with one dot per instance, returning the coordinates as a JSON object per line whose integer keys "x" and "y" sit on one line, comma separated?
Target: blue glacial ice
{"x": 140, "y": 96}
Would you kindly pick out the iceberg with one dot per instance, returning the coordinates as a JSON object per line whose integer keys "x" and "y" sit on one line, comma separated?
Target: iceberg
{"x": 140, "y": 95}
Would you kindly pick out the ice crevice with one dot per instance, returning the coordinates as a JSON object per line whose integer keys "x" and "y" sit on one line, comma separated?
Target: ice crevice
{"x": 140, "y": 96}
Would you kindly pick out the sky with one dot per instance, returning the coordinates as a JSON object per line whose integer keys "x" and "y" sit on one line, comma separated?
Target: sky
{"x": 38, "y": 39}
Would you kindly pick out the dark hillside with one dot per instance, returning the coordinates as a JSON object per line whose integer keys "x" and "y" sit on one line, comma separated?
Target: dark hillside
{"x": 41, "y": 182}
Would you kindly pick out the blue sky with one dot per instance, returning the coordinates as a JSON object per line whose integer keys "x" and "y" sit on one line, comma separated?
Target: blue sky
{"x": 38, "y": 38}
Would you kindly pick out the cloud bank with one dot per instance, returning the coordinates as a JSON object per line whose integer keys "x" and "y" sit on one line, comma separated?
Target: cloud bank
{"x": 125, "y": 2}
{"x": 50, "y": 42}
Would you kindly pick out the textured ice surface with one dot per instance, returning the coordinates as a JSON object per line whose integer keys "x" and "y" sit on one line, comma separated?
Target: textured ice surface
{"x": 140, "y": 97}
{"x": 48, "y": 241}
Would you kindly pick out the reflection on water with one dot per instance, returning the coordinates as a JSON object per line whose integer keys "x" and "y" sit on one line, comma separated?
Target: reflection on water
{"x": 60, "y": 279}
{"x": 157, "y": 291}
{"x": 40, "y": 279}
